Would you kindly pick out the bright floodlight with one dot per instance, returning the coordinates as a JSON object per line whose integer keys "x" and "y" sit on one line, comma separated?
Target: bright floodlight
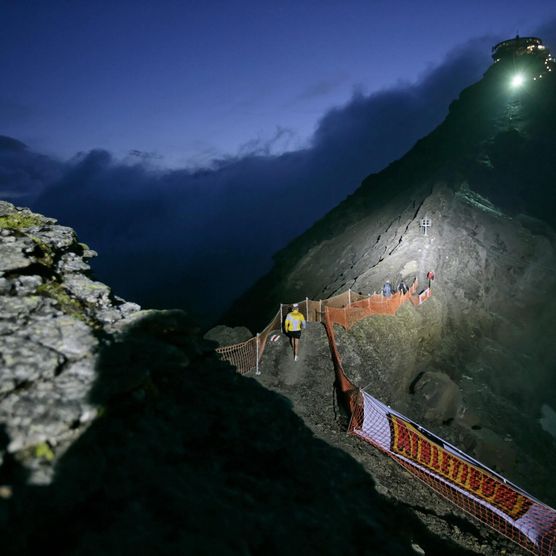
{"x": 518, "y": 80}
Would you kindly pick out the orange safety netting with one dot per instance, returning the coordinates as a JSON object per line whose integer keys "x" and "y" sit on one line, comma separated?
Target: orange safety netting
{"x": 247, "y": 355}
{"x": 375, "y": 304}
{"x": 242, "y": 356}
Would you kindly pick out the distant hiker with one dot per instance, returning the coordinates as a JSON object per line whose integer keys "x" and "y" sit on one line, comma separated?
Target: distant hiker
{"x": 430, "y": 277}
{"x": 294, "y": 323}
{"x": 387, "y": 289}
{"x": 402, "y": 287}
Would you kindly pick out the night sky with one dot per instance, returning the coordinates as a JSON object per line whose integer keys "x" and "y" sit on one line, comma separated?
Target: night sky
{"x": 195, "y": 80}
{"x": 188, "y": 141}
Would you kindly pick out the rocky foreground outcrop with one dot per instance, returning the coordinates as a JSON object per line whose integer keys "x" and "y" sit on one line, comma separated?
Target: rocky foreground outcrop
{"x": 121, "y": 432}
{"x": 52, "y": 321}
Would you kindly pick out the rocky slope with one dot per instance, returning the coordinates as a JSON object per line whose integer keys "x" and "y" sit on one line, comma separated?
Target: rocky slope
{"x": 52, "y": 320}
{"x": 475, "y": 363}
{"x": 121, "y": 432}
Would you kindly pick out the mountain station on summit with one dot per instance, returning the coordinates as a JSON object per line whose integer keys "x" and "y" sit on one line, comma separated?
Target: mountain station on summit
{"x": 531, "y": 59}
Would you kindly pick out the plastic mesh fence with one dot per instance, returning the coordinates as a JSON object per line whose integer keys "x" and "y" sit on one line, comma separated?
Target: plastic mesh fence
{"x": 343, "y": 384}
{"x": 460, "y": 479}
{"x": 242, "y": 356}
{"x": 246, "y": 356}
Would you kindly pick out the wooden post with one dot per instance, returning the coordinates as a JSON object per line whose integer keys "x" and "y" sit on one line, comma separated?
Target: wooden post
{"x": 257, "y": 372}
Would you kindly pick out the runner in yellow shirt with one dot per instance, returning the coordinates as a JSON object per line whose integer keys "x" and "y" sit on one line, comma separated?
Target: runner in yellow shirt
{"x": 293, "y": 325}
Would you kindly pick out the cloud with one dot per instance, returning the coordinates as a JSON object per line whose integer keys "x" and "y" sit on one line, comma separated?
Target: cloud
{"x": 23, "y": 173}
{"x": 320, "y": 89}
{"x": 143, "y": 155}
{"x": 8, "y": 144}
{"x": 277, "y": 144}
{"x": 198, "y": 238}
{"x": 371, "y": 131}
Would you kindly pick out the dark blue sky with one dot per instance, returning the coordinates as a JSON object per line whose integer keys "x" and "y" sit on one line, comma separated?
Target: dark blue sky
{"x": 287, "y": 104}
{"x": 196, "y": 80}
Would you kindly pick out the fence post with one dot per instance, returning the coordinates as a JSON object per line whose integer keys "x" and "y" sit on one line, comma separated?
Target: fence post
{"x": 349, "y": 297}
{"x": 257, "y": 372}
{"x": 320, "y": 311}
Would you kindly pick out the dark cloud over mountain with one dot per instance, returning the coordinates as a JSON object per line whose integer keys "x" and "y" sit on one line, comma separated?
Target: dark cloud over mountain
{"x": 23, "y": 173}
{"x": 198, "y": 238}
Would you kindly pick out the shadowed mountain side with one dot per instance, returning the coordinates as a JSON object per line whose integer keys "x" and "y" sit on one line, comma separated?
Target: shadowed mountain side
{"x": 189, "y": 457}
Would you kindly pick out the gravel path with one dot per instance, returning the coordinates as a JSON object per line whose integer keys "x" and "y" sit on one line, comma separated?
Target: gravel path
{"x": 309, "y": 384}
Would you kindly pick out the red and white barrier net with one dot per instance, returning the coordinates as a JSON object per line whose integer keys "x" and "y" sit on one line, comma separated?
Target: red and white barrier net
{"x": 464, "y": 481}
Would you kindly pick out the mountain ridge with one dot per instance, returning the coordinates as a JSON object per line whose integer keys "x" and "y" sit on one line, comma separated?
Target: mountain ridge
{"x": 480, "y": 367}
{"x": 487, "y": 117}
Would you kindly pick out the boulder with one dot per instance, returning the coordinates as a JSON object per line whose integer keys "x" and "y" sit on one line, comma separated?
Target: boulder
{"x": 227, "y": 336}
{"x": 438, "y": 395}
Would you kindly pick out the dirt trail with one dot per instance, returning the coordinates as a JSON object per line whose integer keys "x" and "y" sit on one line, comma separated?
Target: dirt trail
{"x": 309, "y": 384}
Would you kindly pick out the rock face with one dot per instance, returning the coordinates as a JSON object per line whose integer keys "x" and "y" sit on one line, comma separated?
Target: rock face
{"x": 476, "y": 356}
{"x": 225, "y": 336}
{"x": 475, "y": 363}
{"x": 52, "y": 321}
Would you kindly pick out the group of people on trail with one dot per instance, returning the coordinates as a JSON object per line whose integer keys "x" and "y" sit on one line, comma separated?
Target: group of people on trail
{"x": 388, "y": 290}
{"x": 294, "y": 323}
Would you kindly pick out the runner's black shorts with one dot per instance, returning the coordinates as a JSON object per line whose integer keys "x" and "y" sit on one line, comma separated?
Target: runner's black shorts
{"x": 294, "y": 334}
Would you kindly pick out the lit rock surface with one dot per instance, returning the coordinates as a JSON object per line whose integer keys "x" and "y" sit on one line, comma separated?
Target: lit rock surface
{"x": 52, "y": 319}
